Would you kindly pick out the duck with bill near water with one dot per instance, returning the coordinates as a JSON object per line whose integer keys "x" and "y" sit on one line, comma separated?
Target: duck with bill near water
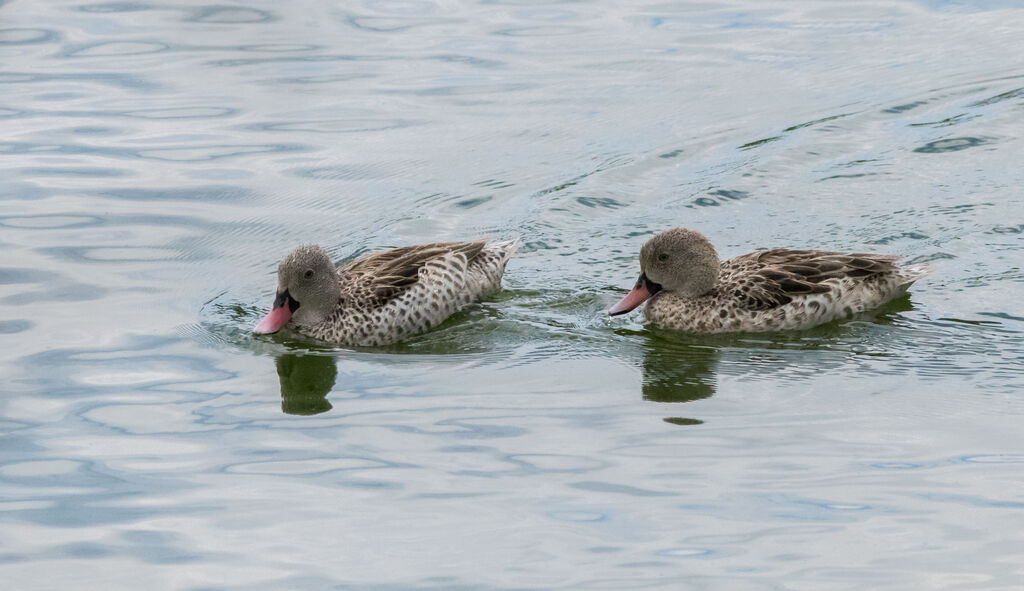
{"x": 687, "y": 288}
{"x": 383, "y": 297}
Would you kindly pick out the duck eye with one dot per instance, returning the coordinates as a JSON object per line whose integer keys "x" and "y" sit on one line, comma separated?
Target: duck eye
{"x": 308, "y": 274}
{"x": 662, "y": 257}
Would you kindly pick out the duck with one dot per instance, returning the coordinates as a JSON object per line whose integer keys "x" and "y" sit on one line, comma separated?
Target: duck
{"x": 384, "y": 297}
{"x": 686, "y": 287}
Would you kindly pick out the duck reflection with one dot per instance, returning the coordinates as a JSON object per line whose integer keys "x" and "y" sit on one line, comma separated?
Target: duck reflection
{"x": 679, "y": 373}
{"x": 679, "y": 367}
{"x": 305, "y": 382}
{"x": 677, "y": 370}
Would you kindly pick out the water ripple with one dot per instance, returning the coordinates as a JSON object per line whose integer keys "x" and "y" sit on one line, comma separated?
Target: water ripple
{"x": 334, "y": 125}
{"x": 230, "y": 15}
{"x": 126, "y": 81}
{"x": 25, "y": 36}
{"x": 114, "y": 48}
{"x": 951, "y": 145}
{"x": 162, "y": 157}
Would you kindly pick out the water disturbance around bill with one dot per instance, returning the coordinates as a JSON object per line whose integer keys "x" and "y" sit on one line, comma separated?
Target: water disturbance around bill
{"x": 158, "y": 159}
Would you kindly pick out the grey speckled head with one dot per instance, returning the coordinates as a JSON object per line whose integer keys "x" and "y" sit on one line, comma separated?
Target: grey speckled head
{"x": 311, "y": 281}
{"x": 682, "y": 261}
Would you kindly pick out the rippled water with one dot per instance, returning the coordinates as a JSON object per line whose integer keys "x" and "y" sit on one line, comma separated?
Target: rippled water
{"x": 158, "y": 160}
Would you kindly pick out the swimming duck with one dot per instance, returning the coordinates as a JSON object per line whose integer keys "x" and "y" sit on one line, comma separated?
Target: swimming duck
{"x": 687, "y": 288}
{"x": 383, "y": 297}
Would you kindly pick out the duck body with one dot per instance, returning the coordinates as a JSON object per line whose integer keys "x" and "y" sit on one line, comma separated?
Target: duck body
{"x": 688, "y": 290}
{"x": 754, "y": 293}
{"x": 382, "y": 298}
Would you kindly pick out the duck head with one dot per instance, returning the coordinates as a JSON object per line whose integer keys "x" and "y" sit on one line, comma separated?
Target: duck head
{"x": 307, "y": 290}
{"x": 680, "y": 261}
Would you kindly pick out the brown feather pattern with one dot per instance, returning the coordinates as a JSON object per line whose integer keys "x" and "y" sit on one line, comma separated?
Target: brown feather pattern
{"x": 387, "y": 275}
{"x": 771, "y": 278}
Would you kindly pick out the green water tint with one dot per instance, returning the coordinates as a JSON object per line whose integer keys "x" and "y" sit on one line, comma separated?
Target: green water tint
{"x": 676, "y": 367}
{"x": 160, "y": 159}
{"x": 305, "y": 382}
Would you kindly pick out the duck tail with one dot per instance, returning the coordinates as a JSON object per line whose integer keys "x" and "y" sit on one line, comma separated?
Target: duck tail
{"x": 504, "y": 248}
{"x": 911, "y": 273}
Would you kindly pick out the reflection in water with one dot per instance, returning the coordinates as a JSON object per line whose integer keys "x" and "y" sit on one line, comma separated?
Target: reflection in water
{"x": 305, "y": 382}
{"x": 678, "y": 372}
{"x": 683, "y": 421}
{"x": 164, "y": 151}
{"x": 680, "y": 367}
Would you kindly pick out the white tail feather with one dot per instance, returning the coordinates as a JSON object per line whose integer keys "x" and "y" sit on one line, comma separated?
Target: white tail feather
{"x": 911, "y": 273}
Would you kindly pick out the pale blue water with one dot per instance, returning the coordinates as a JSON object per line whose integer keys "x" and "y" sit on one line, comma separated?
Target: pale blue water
{"x": 158, "y": 159}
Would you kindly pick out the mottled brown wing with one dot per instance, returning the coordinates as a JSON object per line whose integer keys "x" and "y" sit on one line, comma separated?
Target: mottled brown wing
{"x": 386, "y": 275}
{"x": 774, "y": 277}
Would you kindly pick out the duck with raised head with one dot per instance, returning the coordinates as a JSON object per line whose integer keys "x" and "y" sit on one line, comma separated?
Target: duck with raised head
{"x": 383, "y": 297}
{"x": 687, "y": 288}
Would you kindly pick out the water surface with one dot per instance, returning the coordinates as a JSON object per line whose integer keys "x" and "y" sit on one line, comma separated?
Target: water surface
{"x": 158, "y": 159}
